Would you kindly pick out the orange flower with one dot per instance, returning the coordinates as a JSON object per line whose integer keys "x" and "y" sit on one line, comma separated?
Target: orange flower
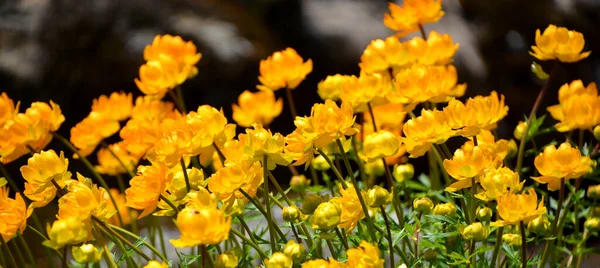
{"x": 260, "y": 142}
{"x": 365, "y": 255}
{"x": 125, "y": 212}
{"x": 368, "y": 88}
{"x": 380, "y": 55}
{"x": 578, "y": 108}
{"x": 514, "y": 208}
{"x": 476, "y": 114}
{"x": 467, "y": 164}
{"x": 299, "y": 146}
{"x": 407, "y": 18}
{"x": 283, "y": 69}
{"x": 182, "y": 52}
{"x": 157, "y": 77}
{"x": 227, "y": 181}
{"x": 13, "y": 214}
{"x": 423, "y": 131}
{"x": 147, "y": 187}
{"x": 83, "y": 200}
{"x": 111, "y": 164}
{"x": 41, "y": 169}
{"x": 256, "y": 108}
{"x": 331, "y": 122}
{"x": 118, "y": 106}
{"x": 201, "y": 226}
{"x": 331, "y": 87}
{"x": 7, "y": 108}
{"x": 565, "y": 163}
{"x": 426, "y": 83}
{"x": 350, "y": 207}
{"x": 87, "y": 134}
{"x": 559, "y": 43}
{"x": 436, "y": 50}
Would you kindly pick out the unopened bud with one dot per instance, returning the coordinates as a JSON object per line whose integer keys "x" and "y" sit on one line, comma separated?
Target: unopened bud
{"x": 310, "y": 203}
{"x": 86, "y": 253}
{"x": 512, "y": 149}
{"x": 597, "y": 133}
{"x": 484, "y": 214}
{"x": 227, "y": 260}
{"x": 375, "y": 168}
{"x": 512, "y": 239}
{"x": 520, "y": 130}
{"x": 296, "y": 251}
{"x": 475, "y": 231}
{"x": 326, "y": 217}
{"x": 291, "y": 213}
{"x": 424, "y": 205}
{"x": 320, "y": 164}
{"x": 378, "y": 196}
{"x": 430, "y": 255}
{"x": 539, "y": 225}
{"x": 299, "y": 183}
{"x": 592, "y": 224}
{"x": 593, "y": 192}
{"x": 403, "y": 172}
{"x": 444, "y": 209}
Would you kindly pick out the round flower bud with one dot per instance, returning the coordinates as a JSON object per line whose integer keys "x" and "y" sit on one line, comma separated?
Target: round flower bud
{"x": 520, "y": 130}
{"x": 539, "y": 225}
{"x": 430, "y": 255}
{"x": 424, "y": 205}
{"x": 380, "y": 144}
{"x": 294, "y": 250}
{"x": 512, "y": 239}
{"x": 512, "y": 149}
{"x": 475, "y": 231}
{"x": 227, "y": 260}
{"x": 378, "y": 196}
{"x": 299, "y": 183}
{"x": 86, "y": 253}
{"x": 444, "y": 209}
{"x": 278, "y": 260}
{"x": 484, "y": 214}
{"x": 592, "y": 224}
{"x": 291, "y": 213}
{"x": 593, "y": 192}
{"x": 375, "y": 168}
{"x": 597, "y": 133}
{"x": 320, "y": 164}
{"x": 327, "y": 216}
{"x": 403, "y": 172}
{"x": 310, "y": 203}
{"x": 67, "y": 231}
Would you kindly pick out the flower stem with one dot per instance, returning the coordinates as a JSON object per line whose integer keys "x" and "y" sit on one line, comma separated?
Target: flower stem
{"x": 27, "y": 249}
{"x": 268, "y": 205}
{"x": 106, "y": 228}
{"x": 342, "y": 239}
{"x": 110, "y": 261}
{"x": 204, "y": 255}
{"x": 422, "y": 30}
{"x": 163, "y": 198}
{"x": 279, "y": 189}
{"x": 331, "y": 249}
{"x": 497, "y": 246}
{"x": 290, "y": 99}
{"x": 220, "y": 153}
{"x": 333, "y": 167}
{"x": 523, "y": 244}
{"x": 389, "y": 235}
{"x": 249, "y": 242}
{"x": 188, "y": 186}
{"x": 561, "y": 197}
{"x": 136, "y": 237}
{"x": 20, "y": 257}
{"x": 358, "y": 192}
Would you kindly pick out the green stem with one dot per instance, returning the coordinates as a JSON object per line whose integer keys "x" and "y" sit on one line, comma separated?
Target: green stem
{"x": 188, "y": 186}
{"x": 249, "y": 242}
{"x": 178, "y": 98}
{"x": 268, "y": 204}
{"x": 245, "y": 226}
{"x": 27, "y": 249}
{"x": 164, "y": 198}
{"x": 120, "y": 245}
{"x": 108, "y": 258}
{"x": 389, "y": 235}
{"x": 279, "y": 189}
{"x": 561, "y": 197}
{"x": 579, "y": 246}
{"x": 136, "y": 237}
{"x": 161, "y": 238}
{"x": 440, "y": 162}
{"x": 106, "y": 228}
{"x": 220, "y": 153}
{"x": 89, "y": 166}
{"x": 333, "y": 167}
{"x": 341, "y": 237}
{"x": 331, "y": 249}
{"x": 523, "y": 244}
{"x": 11, "y": 258}
{"x": 20, "y": 257}
{"x": 290, "y": 98}
{"x": 309, "y": 240}
{"x": 497, "y": 246}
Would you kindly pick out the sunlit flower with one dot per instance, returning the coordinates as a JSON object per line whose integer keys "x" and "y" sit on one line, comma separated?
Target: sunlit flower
{"x": 514, "y": 208}
{"x": 367, "y": 88}
{"x": 147, "y": 187}
{"x": 227, "y": 181}
{"x": 321, "y": 263}
{"x": 421, "y": 132}
{"x": 88, "y": 133}
{"x": 7, "y": 108}
{"x": 118, "y": 106}
{"x": 480, "y": 112}
{"x": 475, "y": 231}
{"x": 86, "y": 253}
{"x": 260, "y": 143}
{"x": 559, "y": 43}
{"x": 407, "y": 18}
{"x": 113, "y": 164}
{"x": 157, "y": 77}
{"x": 175, "y": 141}
{"x": 485, "y": 140}
{"x": 201, "y": 226}
{"x": 565, "y": 163}
{"x": 299, "y": 143}
{"x": 377, "y": 197}
{"x": 184, "y": 53}
{"x": 296, "y": 251}
{"x": 13, "y": 214}
{"x": 256, "y": 108}
{"x": 209, "y": 126}
{"x": 380, "y": 144}
{"x": 351, "y": 210}
{"x": 380, "y": 55}
{"x": 278, "y": 260}
{"x": 331, "y": 122}
{"x": 365, "y": 255}
{"x": 283, "y": 69}
{"x": 156, "y": 264}
{"x": 436, "y": 50}
{"x": 126, "y": 213}
{"x": 227, "y": 260}
{"x": 497, "y": 182}
{"x": 578, "y": 108}
{"x": 421, "y": 83}
{"x": 468, "y": 164}
{"x": 69, "y": 231}
{"x": 41, "y": 169}
{"x": 84, "y": 200}
{"x": 444, "y": 209}
{"x": 326, "y": 216}
{"x": 331, "y": 87}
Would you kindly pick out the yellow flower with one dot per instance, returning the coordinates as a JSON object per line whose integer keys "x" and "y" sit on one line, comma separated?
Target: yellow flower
{"x": 294, "y": 250}
{"x": 367, "y": 88}
{"x": 111, "y": 164}
{"x": 278, "y": 260}
{"x": 539, "y": 225}
{"x": 444, "y": 209}
{"x": 512, "y": 239}
{"x": 403, "y": 172}
{"x": 256, "y": 108}
{"x": 514, "y": 208}
{"x": 118, "y": 106}
{"x": 486, "y": 140}
{"x": 380, "y": 144}
{"x": 476, "y": 114}
{"x": 321, "y": 263}
{"x": 577, "y": 108}
{"x": 422, "y": 83}
{"x": 227, "y": 260}
{"x": 126, "y": 213}
{"x": 565, "y": 163}
{"x": 436, "y": 50}
{"x": 378, "y": 196}
{"x": 365, "y": 255}
{"x": 519, "y": 131}
{"x": 146, "y": 188}
{"x": 178, "y": 187}
{"x": 7, "y": 108}
{"x": 86, "y": 253}
{"x": 156, "y": 264}
{"x": 201, "y": 226}
{"x": 41, "y": 169}
{"x": 351, "y": 210}
{"x": 388, "y": 117}
{"x": 69, "y": 231}
{"x": 299, "y": 146}
{"x": 559, "y": 43}
{"x": 175, "y": 141}
{"x": 331, "y": 87}
{"x": 157, "y": 77}
{"x": 88, "y": 133}
{"x": 497, "y": 182}
{"x": 474, "y": 231}
{"x": 227, "y": 181}
{"x": 182, "y": 52}
{"x": 421, "y": 132}
{"x": 407, "y": 18}
{"x": 380, "y": 55}
{"x": 13, "y": 214}
{"x": 283, "y": 69}
{"x": 423, "y": 204}
{"x": 327, "y": 216}
{"x": 83, "y": 200}
{"x": 467, "y": 164}
{"x": 331, "y": 122}
{"x": 260, "y": 142}
{"x": 209, "y": 126}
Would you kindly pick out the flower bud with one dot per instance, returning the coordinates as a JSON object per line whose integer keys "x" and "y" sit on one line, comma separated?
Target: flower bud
{"x": 512, "y": 239}
{"x": 326, "y": 216}
{"x": 378, "y": 196}
{"x": 294, "y": 250}
{"x": 475, "y": 231}
{"x": 592, "y": 224}
{"x": 593, "y": 192}
{"x": 484, "y": 214}
{"x": 299, "y": 183}
{"x": 430, "y": 255}
{"x": 156, "y": 264}
{"x": 403, "y": 172}
{"x": 227, "y": 260}
{"x": 444, "y": 209}
{"x": 520, "y": 130}
{"x": 310, "y": 203}
{"x": 597, "y": 133}
{"x": 375, "y": 168}
{"x": 67, "y": 231}
{"x": 539, "y": 225}
{"x": 379, "y": 144}
{"x": 236, "y": 208}
{"x": 320, "y": 164}
{"x": 86, "y": 253}
{"x": 512, "y": 149}
{"x": 424, "y": 205}
{"x": 291, "y": 213}
{"x": 278, "y": 260}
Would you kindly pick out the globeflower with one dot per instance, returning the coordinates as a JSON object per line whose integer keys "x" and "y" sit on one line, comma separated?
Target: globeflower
{"x": 421, "y": 132}
{"x": 436, "y": 50}
{"x": 497, "y": 182}
{"x": 326, "y": 216}
{"x": 259, "y": 143}
{"x": 422, "y": 83}
{"x": 69, "y": 231}
{"x": 13, "y": 214}
{"x": 42, "y": 168}
{"x": 299, "y": 146}
{"x": 365, "y": 89}
{"x": 380, "y": 144}
{"x": 278, "y": 260}
{"x": 321, "y": 263}
{"x": 256, "y": 108}
{"x": 559, "y": 43}
{"x": 90, "y": 132}
{"x": 578, "y": 107}
{"x": 156, "y": 264}
{"x": 565, "y": 163}
{"x": 514, "y": 208}
{"x": 365, "y": 255}
{"x": 111, "y": 164}
{"x": 380, "y": 55}
{"x": 351, "y": 210}
{"x": 201, "y": 226}
{"x": 227, "y": 181}
{"x": 407, "y": 18}
{"x": 283, "y": 69}
{"x": 476, "y": 114}
{"x": 331, "y": 87}
{"x": 468, "y": 164}
{"x": 7, "y": 108}
{"x": 125, "y": 212}
{"x": 84, "y": 200}
{"x": 157, "y": 77}
{"x": 118, "y": 106}
{"x": 146, "y": 188}
{"x": 331, "y": 122}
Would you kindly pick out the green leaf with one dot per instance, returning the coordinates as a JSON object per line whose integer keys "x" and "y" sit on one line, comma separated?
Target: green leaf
{"x": 425, "y": 180}
{"x": 416, "y": 186}
{"x": 3, "y": 181}
{"x": 539, "y": 71}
